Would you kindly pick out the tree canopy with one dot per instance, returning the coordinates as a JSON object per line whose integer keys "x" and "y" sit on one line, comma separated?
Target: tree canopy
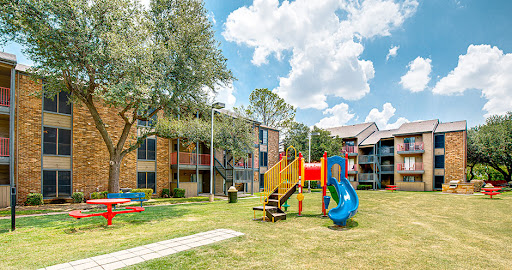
{"x": 268, "y": 108}
{"x": 491, "y": 144}
{"x": 117, "y": 54}
{"x": 297, "y": 135}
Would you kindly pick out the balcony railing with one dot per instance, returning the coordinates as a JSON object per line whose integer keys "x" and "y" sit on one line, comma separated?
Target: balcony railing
{"x": 366, "y": 159}
{"x": 365, "y": 177}
{"x": 349, "y": 149}
{"x": 5, "y": 98}
{"x": 418, "y": 166}
{"x": 243, "y": 163}
{"x": 4, "y": 147}
{"x": 387, "y": 168}
{"x": 410, "y": 146}
{"x": 190, "y": 158}
{"x": 387, "y": 150}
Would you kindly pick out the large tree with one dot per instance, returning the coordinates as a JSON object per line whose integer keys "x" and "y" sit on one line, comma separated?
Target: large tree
{"x": 492, "y": 143}
{"x": 268, "y": 108}
{"x": 117, "y": 54}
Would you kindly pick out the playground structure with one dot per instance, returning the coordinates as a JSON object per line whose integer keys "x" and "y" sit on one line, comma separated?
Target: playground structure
{"x": 285, "y": 178}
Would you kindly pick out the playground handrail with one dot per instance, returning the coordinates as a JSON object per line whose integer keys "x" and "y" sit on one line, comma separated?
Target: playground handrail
{"x": 271, "y": 180}
{"x": 289, "y": 176}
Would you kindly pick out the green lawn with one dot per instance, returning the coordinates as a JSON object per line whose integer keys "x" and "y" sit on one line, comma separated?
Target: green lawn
{"x": 410, "y": 230}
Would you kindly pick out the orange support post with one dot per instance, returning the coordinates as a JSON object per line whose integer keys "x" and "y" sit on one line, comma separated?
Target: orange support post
{"x": 324, "y": 182}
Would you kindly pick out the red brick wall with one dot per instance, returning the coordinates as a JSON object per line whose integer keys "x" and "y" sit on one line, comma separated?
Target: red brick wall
{"x": 273, "y": 147}
{"x": 28, "y": 127}
{"x": 455, "y": 156}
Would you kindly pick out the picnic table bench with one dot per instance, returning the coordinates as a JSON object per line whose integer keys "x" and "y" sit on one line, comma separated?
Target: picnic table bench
{"x": 391, "y": 187}
{"x": 491, "y": 191}
{"x": 109, "y": 215}
{"x": 136, "y": 196}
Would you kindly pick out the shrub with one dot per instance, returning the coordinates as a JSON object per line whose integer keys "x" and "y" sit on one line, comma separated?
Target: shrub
{"x": 166, "y": 193}
{"x": 478, "y": 184}
{"x": 34, "y": 199}
{"x": 78, "y": 197}
{"x": 506, "y": 189}
{"x": 179, "y": 193}
{"x": 147, "y": 191}
{"x": 314, "y": 184}
{"x": 95, "y": 195}
{"x": 364, "y": 187}
{"x": 103, "y": 194}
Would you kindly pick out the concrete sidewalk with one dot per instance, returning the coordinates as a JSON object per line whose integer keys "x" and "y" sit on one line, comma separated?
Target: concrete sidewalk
{"x": 140, "y": 254}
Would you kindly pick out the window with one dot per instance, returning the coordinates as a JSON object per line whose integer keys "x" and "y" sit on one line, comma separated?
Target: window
{"x": 409, "y": 140}
{"x": 59, "y": 104}
{"x": 56, "y": 141}
{"x": 438, "y": 181}
{"x": 175, "y": 176}
{"x": 147, "y": 150}
{"x": 439, "y": 141}
{"x": 56, "y": 183}
{"x": 351, "y": 164}
{"x": 146, "y": 180}
{"x": 439, "y": 162}
{"x": 263, "y": 136}
{"x": 408, "y": 178}
{"x": 148, "y": 123}
{"x": 409, "y": 163}
{"x": 263, "y": 159}
{"x": 351, "y": 178}
{"x": 262, "y": 180}
{"x": 349, "y": 143}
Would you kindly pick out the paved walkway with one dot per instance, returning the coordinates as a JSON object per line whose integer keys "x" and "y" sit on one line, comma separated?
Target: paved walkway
{"x": 143, "y": 253}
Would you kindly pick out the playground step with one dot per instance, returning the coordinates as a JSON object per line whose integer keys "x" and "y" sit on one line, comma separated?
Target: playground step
{"x": 276, "y": 215}
{"x": 260, "y": 208}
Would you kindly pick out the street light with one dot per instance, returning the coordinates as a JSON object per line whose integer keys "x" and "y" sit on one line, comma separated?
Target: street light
{"x": 309, "y": 154}
{"x": 216, "y": 105}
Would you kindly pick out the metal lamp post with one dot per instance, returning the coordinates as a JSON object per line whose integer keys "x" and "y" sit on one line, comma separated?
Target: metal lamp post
{"x": 309, "y": 155}
{"x": 216, "y": 105}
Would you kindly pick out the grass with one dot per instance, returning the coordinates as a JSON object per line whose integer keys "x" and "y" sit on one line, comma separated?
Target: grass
{"x": 4, "y": 213}
{"x": 410, "y": 230}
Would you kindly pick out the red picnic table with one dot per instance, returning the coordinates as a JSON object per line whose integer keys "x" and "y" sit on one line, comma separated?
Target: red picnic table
{"x": 109, "y": 215}
{"x": 391, "y": 187}
{"x": 491, "y": 191}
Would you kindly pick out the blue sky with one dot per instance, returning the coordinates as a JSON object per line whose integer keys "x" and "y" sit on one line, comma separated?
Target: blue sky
{"x": 453, "y": 59}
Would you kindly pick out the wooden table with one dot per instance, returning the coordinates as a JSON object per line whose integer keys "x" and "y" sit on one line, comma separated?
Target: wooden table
{"x": 109, "y": 215}
{"x": 491, "y": 191}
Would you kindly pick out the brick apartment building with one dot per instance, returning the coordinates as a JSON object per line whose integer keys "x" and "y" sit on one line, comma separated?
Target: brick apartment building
{"x": 52, "y": 147}
{"x": 418, "y": 156}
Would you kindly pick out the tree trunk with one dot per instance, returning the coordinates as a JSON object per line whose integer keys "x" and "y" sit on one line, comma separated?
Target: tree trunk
{"x": 113, "y": 174}
{"x": 471, "y": 173}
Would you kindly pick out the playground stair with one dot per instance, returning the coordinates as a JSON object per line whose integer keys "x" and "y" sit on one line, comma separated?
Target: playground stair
{"x": 272, "y": 210}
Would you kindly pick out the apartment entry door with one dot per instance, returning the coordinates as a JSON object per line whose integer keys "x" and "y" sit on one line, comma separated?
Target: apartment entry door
{"x": 199, "y": 179}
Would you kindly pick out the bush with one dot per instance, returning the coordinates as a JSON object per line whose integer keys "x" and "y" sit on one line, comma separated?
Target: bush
{"x": 179, "y": 193}
{"x": 478, "y": 184}
{"x": 314, "y": 184}
{"x": 34, "y": 199}
{"x": 147, "y": 191}
{"x": 506, "y": 189}
{"x": 364, "y": 187}
{"x": 103, "y": 194}
{"x": 78, "y": 197}
{"x": 166, "y": 193}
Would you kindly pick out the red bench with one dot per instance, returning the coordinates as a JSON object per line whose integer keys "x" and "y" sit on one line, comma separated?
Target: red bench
{"x": 491, "y": 191}
{"x": 391, "y": 187}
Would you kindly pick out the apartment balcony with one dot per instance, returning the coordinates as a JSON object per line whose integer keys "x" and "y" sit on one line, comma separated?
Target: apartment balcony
{"x": 387, "y": 169}
{"x": 387, "y": 151}
{"x": 190, "y": 160}
{"x": 367, "y": 159}
{"x": 410, "y": 148}
{"x": 366, "y": 177}
{"x": 415, "y": 168}
{"x": 352, "y": 169}
{"x": 5, "y": 100}
{"x": 351, "y": 150}
{"x": 4, "y": 150}
{"x": 243, "y": 164}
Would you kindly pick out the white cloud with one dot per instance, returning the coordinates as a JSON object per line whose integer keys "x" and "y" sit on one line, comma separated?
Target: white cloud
{"x": 418, "y": 76}
{"x": 326, "y": 49}
{"x": 340, "y": 115}
{"x": 381, "y": 118}
{"x": 392, "y": 52}
{"x": 223, "y": 93}
{"x": 484, "y": 68}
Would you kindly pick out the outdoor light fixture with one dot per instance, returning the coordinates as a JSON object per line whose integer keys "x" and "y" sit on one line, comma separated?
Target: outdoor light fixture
{"x": 215, "y": 106}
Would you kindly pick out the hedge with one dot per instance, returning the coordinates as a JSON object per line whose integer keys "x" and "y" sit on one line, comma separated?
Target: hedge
{"x": 178, "y": 193}
{"x": 147, "y": 191}
{"x": 364, "y": 187}
{"x": 78, "y": 197}
{"x": 34, "y": 199}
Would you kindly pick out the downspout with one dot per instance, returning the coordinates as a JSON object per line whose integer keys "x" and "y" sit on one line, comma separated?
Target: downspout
{"x": 12, "y": 108}
{"x": 197, "y": 158}
{"x": 178, "y": 159}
